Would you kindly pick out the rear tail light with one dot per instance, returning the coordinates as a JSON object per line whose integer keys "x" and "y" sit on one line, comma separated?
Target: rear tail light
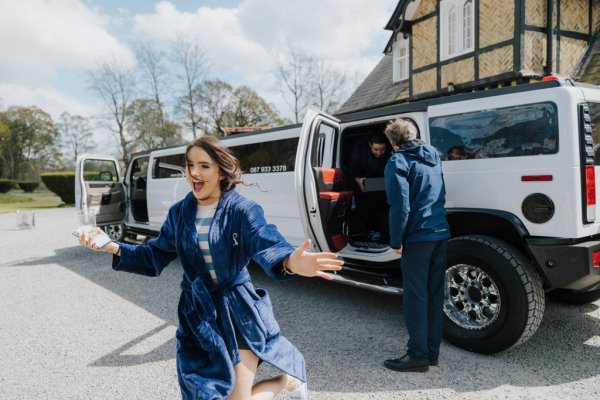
{"x": 590, "y": 193}
{"x": 596, "y": 259}
{"x": 590, "y": 186}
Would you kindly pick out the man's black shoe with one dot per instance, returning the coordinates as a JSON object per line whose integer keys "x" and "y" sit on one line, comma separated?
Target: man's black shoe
{"x": 433, "y": 363}
{"x": 405, "y": 364}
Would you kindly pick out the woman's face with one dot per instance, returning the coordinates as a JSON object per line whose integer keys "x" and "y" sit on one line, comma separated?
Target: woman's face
{"x": 203, "y": 176}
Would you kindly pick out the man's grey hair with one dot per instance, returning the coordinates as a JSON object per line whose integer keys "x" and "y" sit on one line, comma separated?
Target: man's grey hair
{"x": 400, "y": 131}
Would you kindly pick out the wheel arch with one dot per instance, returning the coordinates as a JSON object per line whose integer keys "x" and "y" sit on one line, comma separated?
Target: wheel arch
{"x": 498, "y": 224}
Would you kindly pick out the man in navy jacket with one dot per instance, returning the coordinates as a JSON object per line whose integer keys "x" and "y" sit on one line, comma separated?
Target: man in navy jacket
{"x": 419, "y": 232}
{"x": 368, "y": 160}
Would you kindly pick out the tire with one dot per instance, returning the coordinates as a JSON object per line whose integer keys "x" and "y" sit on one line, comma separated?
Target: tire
{"x": 115, "y": 232}
{"x": 493, "y": 299}
{"x": 575, "y": 298}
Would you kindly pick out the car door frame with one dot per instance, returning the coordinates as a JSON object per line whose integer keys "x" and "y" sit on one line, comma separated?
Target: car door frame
{"x": 305, "y": 182}
{"x": 112, "y": 207}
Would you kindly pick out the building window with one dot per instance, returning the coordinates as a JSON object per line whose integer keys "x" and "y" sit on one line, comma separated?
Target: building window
{"x": 457, "y": 25}
{"x": 400, "y": 57}
{"x": 451, "y": 36}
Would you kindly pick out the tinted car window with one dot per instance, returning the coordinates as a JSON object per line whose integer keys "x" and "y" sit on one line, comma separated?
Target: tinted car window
{"x": 271, "y": 156}
{"x": 172, "y": 166}
{"x": 524, "y": 130}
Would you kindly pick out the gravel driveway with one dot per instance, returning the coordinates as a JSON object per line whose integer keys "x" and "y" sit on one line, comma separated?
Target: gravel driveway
{"x": 71, "y": 328}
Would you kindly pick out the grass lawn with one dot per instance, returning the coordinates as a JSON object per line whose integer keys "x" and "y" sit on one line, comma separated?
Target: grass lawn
{"x": 17, "y": 199}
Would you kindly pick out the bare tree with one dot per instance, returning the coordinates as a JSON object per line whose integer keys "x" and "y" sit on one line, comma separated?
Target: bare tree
{"x": 115, "y": 84}
{"x": 193, "y": 67}
{"x": 310, "y": 80}
{"x": 75, "y": 136}
{"x": 294, "y": 68}
{"x": 154, "y": 71}
{"x": 330, "y": 86}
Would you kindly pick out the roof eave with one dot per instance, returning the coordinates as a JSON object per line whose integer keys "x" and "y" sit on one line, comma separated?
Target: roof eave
{"x": 400, "y": 8}
{"x": 396, "y": 23}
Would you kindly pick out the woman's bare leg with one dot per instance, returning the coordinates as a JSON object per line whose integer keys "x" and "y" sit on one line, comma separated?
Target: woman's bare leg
{"x": 269, "y": 388}
{"x": 245, "y": 372}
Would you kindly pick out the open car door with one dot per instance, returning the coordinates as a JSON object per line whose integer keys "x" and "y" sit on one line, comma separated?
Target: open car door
{"x": 324, "y": 205}
{"x": 98, "y": 186}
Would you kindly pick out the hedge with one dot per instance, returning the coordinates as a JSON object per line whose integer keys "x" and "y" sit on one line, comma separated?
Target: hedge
{"x": 28, "y": 186}
{"x": 6, "y": 185}
{"x": 62, "y": 184}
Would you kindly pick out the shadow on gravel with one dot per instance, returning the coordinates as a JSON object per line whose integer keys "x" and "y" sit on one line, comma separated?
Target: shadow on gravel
{"x": 157, "y": 296}
{"x": 345, "y": 334}
{"x": 119, "y": 358}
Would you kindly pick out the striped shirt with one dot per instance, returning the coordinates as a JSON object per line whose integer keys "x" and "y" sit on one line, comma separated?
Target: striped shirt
{"x": 204, "y": 217}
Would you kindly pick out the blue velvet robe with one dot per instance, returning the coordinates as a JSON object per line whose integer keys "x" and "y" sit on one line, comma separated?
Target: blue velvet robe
{"x": 206, "y": 344}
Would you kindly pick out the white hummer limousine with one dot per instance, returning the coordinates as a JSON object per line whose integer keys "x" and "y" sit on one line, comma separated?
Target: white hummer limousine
{"x": 519, "y": 165}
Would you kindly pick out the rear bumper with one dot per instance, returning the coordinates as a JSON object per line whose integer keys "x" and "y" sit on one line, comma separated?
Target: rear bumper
{"x": 565, "y": 264}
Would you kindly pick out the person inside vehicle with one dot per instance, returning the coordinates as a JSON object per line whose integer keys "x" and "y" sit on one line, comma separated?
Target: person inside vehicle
{"x": 226, "y": 326}
{"x": 457, "y": 153}
{"x": 367, "y": 160}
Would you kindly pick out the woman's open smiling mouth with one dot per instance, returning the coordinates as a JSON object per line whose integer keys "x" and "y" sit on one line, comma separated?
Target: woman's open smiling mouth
{"x": 198, "y": 186}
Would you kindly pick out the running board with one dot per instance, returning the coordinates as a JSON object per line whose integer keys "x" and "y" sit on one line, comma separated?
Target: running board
{"x": 378, "y": 288}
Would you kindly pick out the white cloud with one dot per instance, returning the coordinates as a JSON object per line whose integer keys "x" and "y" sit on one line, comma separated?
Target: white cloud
{"x": 47, "y": 44}
{"x": 49, "y": 99}
{"x": 39, "y": 38}
{"x": 244, "y": 38}
{"x": 331, "y": 29}
{"x": 242, "y": 41}
{"x": 217, "y": 30}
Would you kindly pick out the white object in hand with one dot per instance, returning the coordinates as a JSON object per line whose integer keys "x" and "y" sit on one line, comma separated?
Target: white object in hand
{"x": 100, "y": 240}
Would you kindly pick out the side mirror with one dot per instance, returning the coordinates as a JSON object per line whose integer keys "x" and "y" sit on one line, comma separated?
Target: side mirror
{"x": 105, "y": 176}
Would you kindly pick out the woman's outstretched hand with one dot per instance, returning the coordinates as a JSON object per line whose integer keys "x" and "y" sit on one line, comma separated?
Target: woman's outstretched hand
{"x": 87, "y": 239}
{"x": 308, "y": 264}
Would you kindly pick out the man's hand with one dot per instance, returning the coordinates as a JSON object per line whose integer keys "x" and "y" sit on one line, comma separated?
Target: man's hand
{"x": 361, "y": 183}
{"x": 398, "y": 251}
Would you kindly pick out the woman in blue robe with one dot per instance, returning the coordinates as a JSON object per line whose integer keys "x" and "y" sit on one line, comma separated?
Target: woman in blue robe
{"x": 226, "y": 326}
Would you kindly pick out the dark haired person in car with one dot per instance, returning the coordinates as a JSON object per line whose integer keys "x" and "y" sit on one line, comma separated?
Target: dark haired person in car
{"x": 368, "y": 160}
{"x": 457, "y": 153}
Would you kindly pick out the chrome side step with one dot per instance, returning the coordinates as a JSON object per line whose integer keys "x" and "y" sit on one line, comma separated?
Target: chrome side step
{"x": 378, "y": 288}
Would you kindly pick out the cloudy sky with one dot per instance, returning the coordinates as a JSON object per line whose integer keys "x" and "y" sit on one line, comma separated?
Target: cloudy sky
{"x": 48, "y": 47}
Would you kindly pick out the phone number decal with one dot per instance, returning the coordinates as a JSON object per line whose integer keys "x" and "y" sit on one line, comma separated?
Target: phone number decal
{"x": 268, "y": 168}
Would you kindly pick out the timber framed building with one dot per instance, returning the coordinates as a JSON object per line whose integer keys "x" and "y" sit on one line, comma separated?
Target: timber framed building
{"x": 440, "y": 47}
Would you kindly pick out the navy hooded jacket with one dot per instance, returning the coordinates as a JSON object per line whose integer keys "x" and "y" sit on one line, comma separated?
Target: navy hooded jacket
{"x": 416, "y": 194}
{"x": 206, "y": 343}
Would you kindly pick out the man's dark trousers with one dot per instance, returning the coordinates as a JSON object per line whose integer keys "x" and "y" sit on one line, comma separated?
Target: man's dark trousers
{"x": 423, "y": 272}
